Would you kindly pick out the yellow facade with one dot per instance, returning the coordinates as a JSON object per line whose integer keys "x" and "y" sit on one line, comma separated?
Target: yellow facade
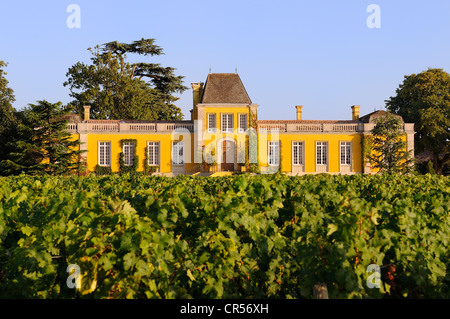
{"x": 309, "y": 161}
{"x": 115, "y": 140}
{"x": 217, "y": 138}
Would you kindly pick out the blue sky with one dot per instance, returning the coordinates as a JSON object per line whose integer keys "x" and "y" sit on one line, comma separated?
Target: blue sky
{"x": 319, "y": 54}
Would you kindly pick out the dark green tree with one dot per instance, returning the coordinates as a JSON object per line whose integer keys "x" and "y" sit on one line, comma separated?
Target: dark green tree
{"x": 389, "y": 149}
{"x": 42, "y": 145}
{"x": 8, "y": 120}
{"x": 424, "y": 99}
{"x": 118, "y": 89}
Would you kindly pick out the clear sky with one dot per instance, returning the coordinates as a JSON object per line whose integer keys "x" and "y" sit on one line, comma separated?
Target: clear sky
{"x": 319, "y": 53}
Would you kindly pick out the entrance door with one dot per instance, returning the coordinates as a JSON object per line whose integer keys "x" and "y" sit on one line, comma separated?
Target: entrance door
{"x": 228, "y": 156}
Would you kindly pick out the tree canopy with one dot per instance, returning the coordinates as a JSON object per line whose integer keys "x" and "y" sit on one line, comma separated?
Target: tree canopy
{"x": 118, "y": 89}
{"x": 390, "y": 154}
{"x": 7, "y": 97}
{"x": 7, "y": 116}
{"x": 424, "y": 99}
{"x": 41, "y": 143}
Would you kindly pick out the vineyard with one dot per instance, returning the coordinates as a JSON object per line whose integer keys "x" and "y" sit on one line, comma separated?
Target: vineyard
{"x": 264, "y": 236}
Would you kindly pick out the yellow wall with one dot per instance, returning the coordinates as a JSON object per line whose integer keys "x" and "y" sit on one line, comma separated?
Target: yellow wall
{"x": 165, "y": 149}
{"x": 286, "y": 140}
{"x": 310, "y": 150}
{"x": 222, "y": 110}
{"x": 239, "y": 138}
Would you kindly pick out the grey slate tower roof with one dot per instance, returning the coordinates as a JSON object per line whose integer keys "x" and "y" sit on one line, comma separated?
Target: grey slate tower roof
{"x": 225, "y": 88}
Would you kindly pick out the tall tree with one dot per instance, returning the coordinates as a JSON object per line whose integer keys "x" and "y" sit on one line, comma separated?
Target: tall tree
{"x": 424, "y": 99}
{"x": 118, "y": 89}
{"x": 390, "y": 153}
{"x": 43, "y": 144}
{"x": 8, "y": 120}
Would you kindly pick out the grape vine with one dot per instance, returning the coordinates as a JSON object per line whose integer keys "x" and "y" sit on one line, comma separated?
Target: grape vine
{"x": 264, "y": 236}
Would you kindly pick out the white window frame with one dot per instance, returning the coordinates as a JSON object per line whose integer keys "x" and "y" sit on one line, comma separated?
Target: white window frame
{"x": 298, "y": 147}
{"x": 104, "y": 153}
{"x": 323, "y": 158}
{"x": 212, "y": 123}
{"x": 345, "y": 153}
{"x": 243, "y": 122}
{"x": 273, "y": 153}
{"x": 225, "y": 124}
{"x": 153, "y": 149}
{"x": 128, "y": 150}
{"x": 177, "y": 158}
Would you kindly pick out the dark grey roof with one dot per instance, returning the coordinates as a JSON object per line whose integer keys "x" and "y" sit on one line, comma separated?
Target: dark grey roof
{"x": 371, "y": 117}
{"x": 225, "y": 88}
{"x": 72, "y": 118}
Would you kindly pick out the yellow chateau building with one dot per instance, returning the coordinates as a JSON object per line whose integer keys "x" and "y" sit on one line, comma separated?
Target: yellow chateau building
{"x": 225, "y": 135}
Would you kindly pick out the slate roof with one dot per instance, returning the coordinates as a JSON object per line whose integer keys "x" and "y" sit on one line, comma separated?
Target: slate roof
{"x": 225, "y": 88}
{"x": 371, "y": 117}
{"x": 102, "y": 121}
{"x": 72, "y": 118}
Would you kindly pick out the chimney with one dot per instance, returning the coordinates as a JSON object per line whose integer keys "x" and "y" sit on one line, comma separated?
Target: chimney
{"x": 197, "y": 92}
{"x": 299, "y": 112}
{"x": 87, "y": 108}
{"x": 355, "y": 112}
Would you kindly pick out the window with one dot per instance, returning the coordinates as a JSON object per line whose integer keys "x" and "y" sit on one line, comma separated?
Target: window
{"x": 128, "y": 152}
{"x": 321, "y": 153}
{"x": 346, "y": 153}
{"x": 242, "y": 123}
{"x": 153, "y": 153}
{"x": 227, "y": 123}
{"x": 104, "y": 153}
{"x": 274, "y": 153}
{"x": 297, "y": 153}
{"x": 212, "y": 122}
{"x": 178, "y": 153}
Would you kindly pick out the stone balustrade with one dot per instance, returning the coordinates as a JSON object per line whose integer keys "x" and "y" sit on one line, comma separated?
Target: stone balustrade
{"x": 152, "y": 127}
{"x": 128, "y": 127}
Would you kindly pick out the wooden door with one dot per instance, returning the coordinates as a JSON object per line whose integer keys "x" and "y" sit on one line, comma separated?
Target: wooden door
{"x": 228, "y": 156}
